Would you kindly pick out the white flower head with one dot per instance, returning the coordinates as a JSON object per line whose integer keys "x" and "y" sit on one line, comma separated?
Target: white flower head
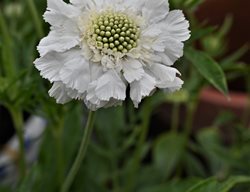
{"x": 97, "y": 49}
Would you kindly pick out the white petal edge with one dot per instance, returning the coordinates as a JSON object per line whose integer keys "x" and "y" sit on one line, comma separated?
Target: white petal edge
{"x": 173, "y": 51}
{"x": 57, "y": 40}
{"x": 76, "y": 71}
{"x": 155, "y": 11}
{"x": 176, "y": 26}
{"x": 58, "y": 13}
{"x": 163, "y": 74}
{"x": 142, "y": 88}
{"x": 92, "y": 4}
{"x": 132, "y": 69}
{"x": 61, "y": 7}
{"x": 110, "y": 85}
{"x": 50, "y": 66}
{"x": 60, "y": 93}
{"x": 174, "y": 85}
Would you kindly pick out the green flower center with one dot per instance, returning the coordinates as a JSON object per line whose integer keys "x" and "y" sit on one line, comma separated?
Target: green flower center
{"x": 114, "y": 31}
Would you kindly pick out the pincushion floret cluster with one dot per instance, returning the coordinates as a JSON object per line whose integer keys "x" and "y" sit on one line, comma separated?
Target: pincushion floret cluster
{"x": 96, "y": 50}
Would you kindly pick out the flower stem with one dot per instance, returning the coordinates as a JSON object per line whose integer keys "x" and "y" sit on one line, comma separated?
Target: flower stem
{"x": 81, "y": 153}
{"x": 175, "y": 117}
{"x": 17, "y": 118}
{"x": 36, "y": 18}
{"x": 135, "y": 166}
{"x": 191, "y": 109}
{"x": 246, "y": 114}
{"x": 7, "y": 53}
{"x": 58, "y": 132}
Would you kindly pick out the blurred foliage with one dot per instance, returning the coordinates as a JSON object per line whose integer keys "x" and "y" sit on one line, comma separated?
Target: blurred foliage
{"x": 121, "y": 157}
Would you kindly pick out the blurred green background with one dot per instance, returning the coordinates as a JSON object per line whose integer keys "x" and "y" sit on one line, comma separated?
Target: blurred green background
{"x": 195, "y": 140}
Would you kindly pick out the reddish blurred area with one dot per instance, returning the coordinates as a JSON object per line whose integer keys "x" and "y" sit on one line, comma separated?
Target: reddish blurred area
{"x": 214, "y": 12}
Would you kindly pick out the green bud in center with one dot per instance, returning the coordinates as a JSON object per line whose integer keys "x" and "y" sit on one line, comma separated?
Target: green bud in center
{"x": 114, "y": 31}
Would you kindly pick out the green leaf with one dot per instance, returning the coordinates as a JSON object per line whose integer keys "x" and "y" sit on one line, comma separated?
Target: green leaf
{"x": 193, "y": 165}
{"x": 192, "y": 4}
{"x": 109, "y": 126}
{"x": 208, "y": 68}
{"x": 212, "y": 184}
{"x": 181, "y": 96}
{"x": 219, "y": 158}
{"x": 200, "y": 32}
{"x": 167, "y": 152}
{"x": 5, "y": 189}
{"x": 231, "y": 60}
{"x": 172, "y": 186}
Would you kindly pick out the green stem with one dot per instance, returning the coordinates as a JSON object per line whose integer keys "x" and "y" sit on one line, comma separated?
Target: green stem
{"x": 191, "y": 108}
{"x": 7, "y": 53}
{"x": 246, "y": 114}
{"x": 175, "y": 117}
{"x": 81, "y": 153}
{"x": 58, "y": 131}
{"x": 115, "y": 176}
{"x": 17, "y": 118}
{"x": 35, "y": 16}
{"x": 137, "y": 155}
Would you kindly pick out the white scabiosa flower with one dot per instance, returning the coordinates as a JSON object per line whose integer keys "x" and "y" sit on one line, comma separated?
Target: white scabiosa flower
{"x": 96, "y": 49}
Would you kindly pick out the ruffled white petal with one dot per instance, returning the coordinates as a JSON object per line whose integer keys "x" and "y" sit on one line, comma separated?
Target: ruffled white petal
{"x": 135, "y": 6}
{"x": 132, "y": 69}
{"x": 79, "y": 71}
{"x": 155, "y": 11}
{"x": 96, "y": 71}
{"x": 59, "y": 12}
{"x": 107, "y": 90}
{"x": 110, "y": 85}
{"x": 172, "y": 86}
{"x": 92, "y": 4}
{"x": 94, "y": 103}
{"x": 76, "y": 71}
{"x": 50, "y": 66}
{"x": 59, "y": 41}
{"x": 142, "y": 88}
{"x": 163, "y": 74}
{"x": 60, "y": 93}
{"x": 176, "y": 26}
{"x": 91, "y": 100}
{"x": 173, "y": 51}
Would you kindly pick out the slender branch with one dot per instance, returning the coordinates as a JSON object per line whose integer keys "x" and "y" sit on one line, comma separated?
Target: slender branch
{"x": 81, "y": 153}
{"x": 17, "y": 118}
{"x": 139, "y": 147}
{"x": 36, "y": 18}
{"x": 58, "y": 133}
{"x": 175, "y": 117}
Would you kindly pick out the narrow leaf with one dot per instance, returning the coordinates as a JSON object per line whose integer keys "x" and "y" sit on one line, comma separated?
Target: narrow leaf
{"x": 167, "y": 153}
{"x": 208, "y": 68}
{"x": 212, "y": 184}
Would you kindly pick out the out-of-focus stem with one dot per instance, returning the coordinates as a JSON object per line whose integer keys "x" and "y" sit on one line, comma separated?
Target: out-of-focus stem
{"x": 137, "y": 155}
{"x": 58, "y": 131}
{"x": 175, "y": 117}
{"x": 36, "y": 19}
{"x": 81, "y": 153}
{"x": 17, "y": 117}
{"x": 8, "y": 58}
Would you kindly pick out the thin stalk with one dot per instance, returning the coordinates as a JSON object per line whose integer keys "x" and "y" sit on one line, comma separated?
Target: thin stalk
{"x": 17, "y": 118}
{"x": 81, "y": 153}
{"x": 8, "y": 57}
{"x": 115, "y": 176}
{"x": 58, "y": 131}
{"x": 246, "y": 114}
{"x": 175, "y": 117}
{"x": 191, "y": 108}
{"x": 137, "y": 155}
{"x": 36, "y": 18}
